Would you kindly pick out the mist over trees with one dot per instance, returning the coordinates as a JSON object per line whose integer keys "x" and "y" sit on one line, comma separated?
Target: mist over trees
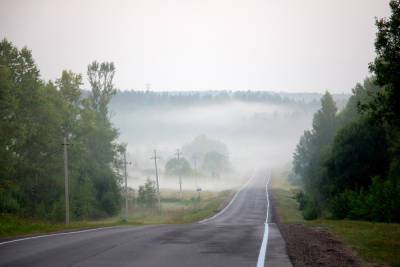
{"x": 349, "y": 163}
{"x": 204, "y": 156}
{"x": 130, "y": 100}
{"x": 36, "y": 116}
{"x": 211, "y": 156}
{"x": 176, "y": 167}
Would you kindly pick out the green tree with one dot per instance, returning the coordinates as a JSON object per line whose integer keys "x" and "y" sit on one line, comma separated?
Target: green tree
{"x": 176, "y": 167}
{"x": 101, "y": 77}
{"x": 359, "y": 152}
{"x": 147, "y": 194}
{"x": 9, "y": 132}
{"x": 311, "y": 151}
{"x": 36, "y": 115}
{"x": 215, "y": 163}
{"x": 201, "y": 145}
{"x": 386, "y": 65}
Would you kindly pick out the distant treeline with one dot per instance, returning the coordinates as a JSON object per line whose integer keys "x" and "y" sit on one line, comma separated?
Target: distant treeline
{"x": 35, "y": 118}
{"x": 133, "y": 99}
{"x": 349, "y": 163}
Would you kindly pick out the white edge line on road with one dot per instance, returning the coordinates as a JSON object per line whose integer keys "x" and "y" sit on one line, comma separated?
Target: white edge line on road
{"x": 227, "y": 206}
{"x": 263, "y": 249}
{"x": 57, "y": 234}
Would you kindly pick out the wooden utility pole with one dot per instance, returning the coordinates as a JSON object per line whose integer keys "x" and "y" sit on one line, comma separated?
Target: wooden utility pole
{"x": 195, "y": 169}
{"x": 195, "y": 156}
{"x": 178, "y": 153}
{"x": 158, "y": 185}
{"x": 65, "y": 144}
{"x": 126, "y": 186}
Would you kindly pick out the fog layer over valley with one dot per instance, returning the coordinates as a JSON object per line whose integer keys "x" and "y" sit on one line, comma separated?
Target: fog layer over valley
{"x": 260, "y": 130}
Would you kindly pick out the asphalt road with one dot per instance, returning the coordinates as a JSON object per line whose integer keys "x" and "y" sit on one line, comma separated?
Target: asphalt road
{"x": 231, "y": 238}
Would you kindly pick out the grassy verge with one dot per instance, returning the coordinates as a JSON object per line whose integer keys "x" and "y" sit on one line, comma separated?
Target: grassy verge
{"x": 374, "y": 242}
{"x": 175, "y": 211}
{"x": 11, "y": 226}
{"x": 190, "y": 209}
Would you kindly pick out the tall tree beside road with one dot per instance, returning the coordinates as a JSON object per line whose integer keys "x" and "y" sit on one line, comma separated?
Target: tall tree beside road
{"x": 358, "y": 174}
{"x": 311, "y": 151}
{"x": 101, "y": 77}
{"x": 35, "y": 117}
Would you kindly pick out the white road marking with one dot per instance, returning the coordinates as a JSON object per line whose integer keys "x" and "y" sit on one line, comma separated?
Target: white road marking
{"x": 229, "y": 204}
{"x": 263, "y": 249}
{"x": 57, "y": 234}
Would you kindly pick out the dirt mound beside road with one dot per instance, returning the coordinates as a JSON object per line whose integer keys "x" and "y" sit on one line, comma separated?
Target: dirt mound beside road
{"x": 313, "y": 246}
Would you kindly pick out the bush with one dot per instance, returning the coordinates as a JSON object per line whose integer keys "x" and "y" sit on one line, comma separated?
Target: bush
{"x": 311, "y": 211}
{"x": 340, "y": 205}
{"x": 147, "y": 194}
{"x": 380, "y": 202}
{"x": 384, "y": 200}
{"x": 309, "y": 207}
{"x": 109, "y": 203}
{"x": 300, "y": 199}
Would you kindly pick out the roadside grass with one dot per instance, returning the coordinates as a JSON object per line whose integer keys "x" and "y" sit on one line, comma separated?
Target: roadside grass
{"x": 12, "y": 226}
{"x": 374, "y": 242}
{"x": 287, "y": 206}
{"x": 174, "y": 211}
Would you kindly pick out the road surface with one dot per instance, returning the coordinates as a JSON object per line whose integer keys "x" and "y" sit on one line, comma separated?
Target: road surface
{"x": 232, "y": 238}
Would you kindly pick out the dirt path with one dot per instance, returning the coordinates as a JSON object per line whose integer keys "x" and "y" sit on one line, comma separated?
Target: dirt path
{"x": 312, "y": 246}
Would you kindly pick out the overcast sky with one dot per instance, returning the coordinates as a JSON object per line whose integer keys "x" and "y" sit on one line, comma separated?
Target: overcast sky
{"x": 280, "y": 45}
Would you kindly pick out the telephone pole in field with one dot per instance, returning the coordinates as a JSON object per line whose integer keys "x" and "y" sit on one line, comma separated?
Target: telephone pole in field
{"x": 178, "y": 154}
{"x": 126, "y": 186}
{"x": 198, "y": 189}
{"x": 158, "y": 185}
{"x": 195, "y": 156}
{"x": 65, "y": 144}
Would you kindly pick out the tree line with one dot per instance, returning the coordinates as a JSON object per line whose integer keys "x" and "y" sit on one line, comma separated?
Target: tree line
{"x": 136, "y": 99}
{"x": 36, "y": 115}
{"x": 349, "y": 163}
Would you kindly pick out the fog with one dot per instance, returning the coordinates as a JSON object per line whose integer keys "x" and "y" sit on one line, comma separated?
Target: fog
{"x": 257, "y": 135}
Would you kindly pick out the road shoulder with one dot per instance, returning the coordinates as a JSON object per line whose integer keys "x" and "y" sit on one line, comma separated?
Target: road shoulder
{"x": 314, "y": 246}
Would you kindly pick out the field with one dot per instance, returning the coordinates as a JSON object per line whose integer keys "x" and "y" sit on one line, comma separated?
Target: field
{"x": 374, "y": 242}
{"x": 190, "y": 209}
{"x": 174, "y": 210}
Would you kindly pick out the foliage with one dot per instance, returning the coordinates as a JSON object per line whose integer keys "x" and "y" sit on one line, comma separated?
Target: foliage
{"x": 36, "y": 116}
{"x": 178, "y": 167}
{"x": 374, "y": 242}
{"x": 211, "y": 155}
{"x": 311, "y": 151}
{"x": 215, "y": 163}
{"x": 201, "y": 145}
{"x": 379, "y": 202}
{"x": 101, "y": 77}
{"x": 147, "y": 194}
{"x": 356, "y": 174}
{"x": 145, "y": 98}
{"x": 359, "y": 152}
{"x": 386, "y": 65}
